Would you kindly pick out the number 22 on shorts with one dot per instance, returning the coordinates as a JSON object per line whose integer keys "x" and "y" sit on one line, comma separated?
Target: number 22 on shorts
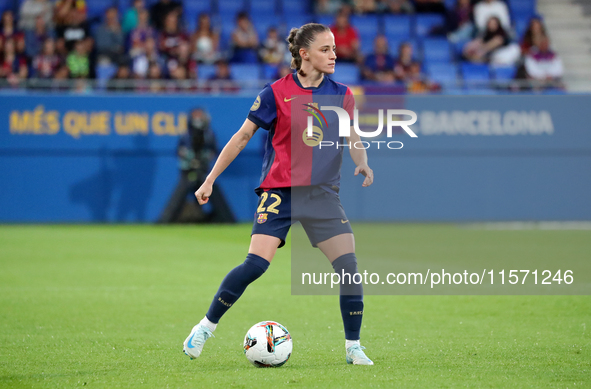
{"x": 271, "y": 208}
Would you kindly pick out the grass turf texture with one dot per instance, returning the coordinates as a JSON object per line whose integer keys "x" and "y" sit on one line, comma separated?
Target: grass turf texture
{"x": 109, "y": 306}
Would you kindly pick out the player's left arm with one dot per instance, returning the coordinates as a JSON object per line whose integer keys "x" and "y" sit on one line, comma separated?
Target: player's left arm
{"x": 359, "y": 156}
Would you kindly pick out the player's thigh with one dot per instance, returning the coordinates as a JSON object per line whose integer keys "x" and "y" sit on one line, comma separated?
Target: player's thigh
{"x": 265, "y": 246}
{"x": 337, "y": 246}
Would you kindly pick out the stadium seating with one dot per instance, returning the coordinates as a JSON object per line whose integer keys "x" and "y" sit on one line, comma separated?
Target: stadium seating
{"x": 96, "y": 8}
{"x": 267, "y": 7}
{"x": 444, "y": 73}
{"x": 475, "y": 74}
{"x": 231, "y": 6}
{"x": 205, "y": 72}
{"x": 426, "y": 23}
{"x": 346, "y": 73}
{"x": 436, "y": 50}
{"x": 503, "y": 73}
{"x": 290, "y": 7}
{"x": 397, "y": 27}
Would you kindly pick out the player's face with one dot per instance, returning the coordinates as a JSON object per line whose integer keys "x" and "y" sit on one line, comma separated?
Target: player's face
{"x": 322, "y": 52}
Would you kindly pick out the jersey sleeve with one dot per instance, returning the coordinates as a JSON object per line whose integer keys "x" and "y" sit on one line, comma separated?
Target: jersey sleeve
{"x": 264, "y": 110}
{"x": 349, "y": 104}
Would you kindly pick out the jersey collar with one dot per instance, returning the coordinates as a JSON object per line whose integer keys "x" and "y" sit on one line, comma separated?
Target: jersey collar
{"x": 297, "y": 81}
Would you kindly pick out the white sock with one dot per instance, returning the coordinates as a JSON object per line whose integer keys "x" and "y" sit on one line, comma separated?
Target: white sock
{"x": 205, "y": 322}
{"x": 349, "y": 343}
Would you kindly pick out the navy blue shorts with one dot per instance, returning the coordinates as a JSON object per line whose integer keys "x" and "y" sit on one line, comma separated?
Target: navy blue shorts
{"x": 320, "y": 212}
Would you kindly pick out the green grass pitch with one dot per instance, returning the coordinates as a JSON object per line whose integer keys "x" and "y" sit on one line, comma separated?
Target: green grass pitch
{"x": 109, "y": 306}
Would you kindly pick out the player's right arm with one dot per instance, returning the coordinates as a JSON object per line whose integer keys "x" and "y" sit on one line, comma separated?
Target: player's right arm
{"x": 262, "y": 114}
{"x": 229, "y": 153}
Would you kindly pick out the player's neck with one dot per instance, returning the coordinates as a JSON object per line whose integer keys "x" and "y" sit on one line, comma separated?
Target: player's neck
{"x": 313, "y": 78}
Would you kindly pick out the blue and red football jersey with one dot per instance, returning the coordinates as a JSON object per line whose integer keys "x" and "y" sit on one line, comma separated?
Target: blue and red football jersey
{"x": 292, "y": 158}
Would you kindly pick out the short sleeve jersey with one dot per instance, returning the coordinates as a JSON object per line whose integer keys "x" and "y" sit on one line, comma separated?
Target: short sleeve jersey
{"x": 292, "y": 157}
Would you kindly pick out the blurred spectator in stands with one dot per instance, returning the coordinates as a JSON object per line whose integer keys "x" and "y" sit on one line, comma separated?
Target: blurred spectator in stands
{"x": 544, "y": 65}
{"x": 487, "y": 9}
{"x": 155, "y": 77}
{"x": 183, "y": 66}
{"x": 73, "y": 28}
{"x": 9, "y": 32}
{"x": 460, "y": 22}
{"x": 481, "y": 48}
{"x": 31, "y": 9}
{"x": 346, "y": 38}
{"x": 140, "y": 35}
{"x": 395, "y": 6}
{"x": 14, "y": 65}
{"x": 78, "y": 62}
{"x": 417, "y": 82}
{"x": 110, "y": 43}
{"x": 222, "y": 80}
{"x": 141, "y": 59}
{"x": 205, "y": 41}
{"x": 160, "y": 11}
{"x": 327, "y": 7}
{"x": 171, "y": 36}
{"x": 404, "y": 62}
{"x": 273, "y": 48}
{"x": 121, "y": 81}
{"x": 283, "y": 70}
{"x": 131, "y": 16}
{"x": 245, "y": 40}
{"x": 379, "y": 65}
{"x": 533, "y": 35}
{"x": 365, "y": 6}
{"x": 64, "y": 8}
{"x": 35, "y": 39}
{"x": 46, "y": 63}
{"x": 430, "y": 6}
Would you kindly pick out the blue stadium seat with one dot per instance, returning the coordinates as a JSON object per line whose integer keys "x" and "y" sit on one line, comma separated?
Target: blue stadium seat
{"x": 397, "y": 27}
{"x": 262, "y": 25}
{"x": 245, "y": 72}
{"x": 522, "y": 6}
{"x": 436, "y": 50}
{"x": 269, "y": 71}
{"x": 475, "y": 73}
{"x": 297, "y": 20}
{"x": 104, "y": 73}
{"x": 366, "y": 44}
{"x": 503, "y": 73}
{"x": 263, "y": 6}
{"x": 346, "y": 73}
{"x": 291, "y": 7}
{"x": 96, "y": 8}
{"x": 366, "y": 25}
{"x": 231, "y": 6}
{"x": 327, "y": 20}
{"x": 450, "y": 4}
{"x": 444, "y": 73}
{"x": 204, "y": 72}
{"x": 521, "y": 26}
{"x": 425, "y": 23}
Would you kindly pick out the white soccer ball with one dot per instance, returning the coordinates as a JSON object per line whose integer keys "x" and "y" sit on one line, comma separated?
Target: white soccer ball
{"x": 267, "y": 344}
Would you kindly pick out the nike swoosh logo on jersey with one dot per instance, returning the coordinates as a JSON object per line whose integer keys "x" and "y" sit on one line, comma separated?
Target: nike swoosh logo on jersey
{"x": 344, "y": 221}
{"x": 288, "y": 100}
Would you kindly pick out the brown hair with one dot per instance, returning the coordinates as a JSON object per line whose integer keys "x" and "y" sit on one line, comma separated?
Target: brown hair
{"x": 302, "y": 38}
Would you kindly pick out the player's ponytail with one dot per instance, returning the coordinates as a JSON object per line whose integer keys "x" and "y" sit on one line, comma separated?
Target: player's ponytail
{"x": 302, "y": 38}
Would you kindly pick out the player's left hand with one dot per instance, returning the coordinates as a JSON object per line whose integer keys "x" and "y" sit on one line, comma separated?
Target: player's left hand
{"x": 367, "y": 172}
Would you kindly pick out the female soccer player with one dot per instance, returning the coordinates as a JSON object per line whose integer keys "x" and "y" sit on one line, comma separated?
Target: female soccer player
{"x": 303, "y": 188}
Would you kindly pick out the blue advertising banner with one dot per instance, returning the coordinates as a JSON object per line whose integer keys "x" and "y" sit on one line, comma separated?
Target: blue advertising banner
{"x": 111, "y": 158}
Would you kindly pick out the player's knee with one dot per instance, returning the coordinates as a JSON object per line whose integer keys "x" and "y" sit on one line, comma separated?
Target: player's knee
{"x": 254, "y": 266}
{"x": 346, "y": 263}
{"x": 346, "y": 267}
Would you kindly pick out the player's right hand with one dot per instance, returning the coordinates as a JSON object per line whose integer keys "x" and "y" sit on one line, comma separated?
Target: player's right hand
{"x": 202, "y": 194}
